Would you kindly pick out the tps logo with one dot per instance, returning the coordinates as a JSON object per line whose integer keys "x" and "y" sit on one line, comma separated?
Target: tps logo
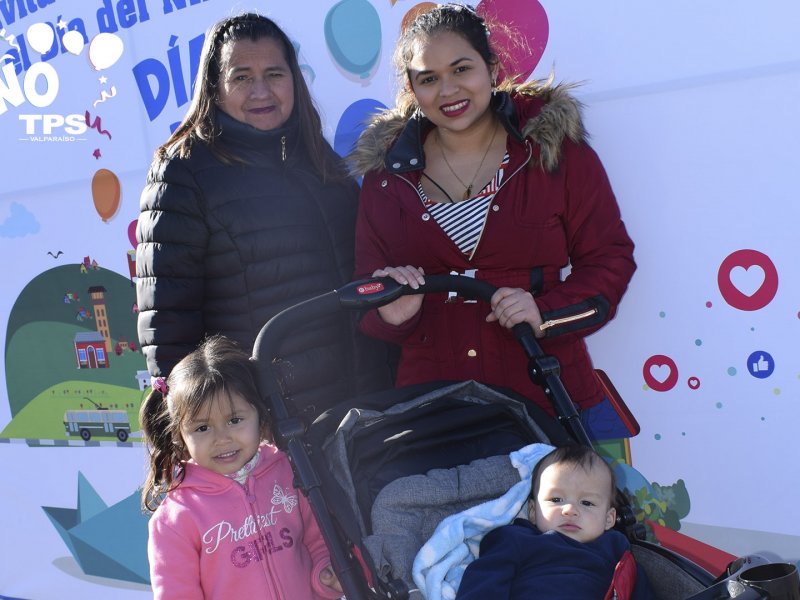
{"x": 40, "y": 89}
{"x": 54, "y": 128}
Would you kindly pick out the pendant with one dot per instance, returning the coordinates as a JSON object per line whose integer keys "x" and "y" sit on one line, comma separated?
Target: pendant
{"x": 467, "y": 192}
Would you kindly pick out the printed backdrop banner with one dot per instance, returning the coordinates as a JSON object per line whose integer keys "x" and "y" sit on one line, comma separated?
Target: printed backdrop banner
{"x": 690, "y": 105}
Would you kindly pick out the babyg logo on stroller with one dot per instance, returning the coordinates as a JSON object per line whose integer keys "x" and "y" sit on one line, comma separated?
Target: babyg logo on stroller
{"x": 370, "y": 288}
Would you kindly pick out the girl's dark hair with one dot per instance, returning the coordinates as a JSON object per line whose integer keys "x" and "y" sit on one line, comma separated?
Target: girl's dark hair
{"x": 217, "y": 368}
{"x": 199, "y": 124}
{"x": 444, "y": 18}
{"x": 573, "y": 455}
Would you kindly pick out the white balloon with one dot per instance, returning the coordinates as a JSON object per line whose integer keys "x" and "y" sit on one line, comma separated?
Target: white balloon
{"x": 73, "y": 42}
{"x": 104, "y": 50}
{"x": 40, "y": 37}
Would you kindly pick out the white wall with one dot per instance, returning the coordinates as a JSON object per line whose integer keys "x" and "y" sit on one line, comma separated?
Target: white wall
{"x": 690, "y": 105}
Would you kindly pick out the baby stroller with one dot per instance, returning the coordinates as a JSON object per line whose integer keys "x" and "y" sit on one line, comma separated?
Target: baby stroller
{"x": 356, "y": 459}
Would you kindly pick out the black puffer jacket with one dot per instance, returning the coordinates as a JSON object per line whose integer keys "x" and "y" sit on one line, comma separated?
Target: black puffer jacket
{"x": 223, "y": 248}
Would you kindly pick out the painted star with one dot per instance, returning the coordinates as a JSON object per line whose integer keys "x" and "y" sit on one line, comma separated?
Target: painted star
{"x": 96, "y": 153}
{"x": 62, "y": 24}
{"x": 103, "y": 79}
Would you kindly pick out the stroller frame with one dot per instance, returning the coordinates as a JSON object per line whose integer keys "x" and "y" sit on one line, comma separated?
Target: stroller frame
{"x": 290, "y": 436}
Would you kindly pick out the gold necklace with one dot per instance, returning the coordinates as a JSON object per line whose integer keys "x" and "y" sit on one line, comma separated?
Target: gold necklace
{"x": 467, "y": 188}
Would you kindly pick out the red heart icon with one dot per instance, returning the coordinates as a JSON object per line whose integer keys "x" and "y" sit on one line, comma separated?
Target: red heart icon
{"x": 660, "y": 373}
{"x": 747, "y": 279}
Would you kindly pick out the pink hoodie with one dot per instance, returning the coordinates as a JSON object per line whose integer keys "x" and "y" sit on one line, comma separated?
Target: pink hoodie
{"x": 214, "y": 538}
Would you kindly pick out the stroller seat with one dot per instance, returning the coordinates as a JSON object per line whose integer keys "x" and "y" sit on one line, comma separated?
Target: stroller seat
{"x": 428, "y": 527}
{"x": 429, "y": 465}
{"x": 432, "y": 526}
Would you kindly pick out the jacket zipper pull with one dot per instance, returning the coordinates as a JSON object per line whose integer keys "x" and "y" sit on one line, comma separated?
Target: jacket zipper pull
{"x": 570, "y": 319}
{"x": 283, "y": 148}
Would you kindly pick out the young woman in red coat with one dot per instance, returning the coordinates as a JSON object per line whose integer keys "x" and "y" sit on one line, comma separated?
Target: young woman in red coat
{"x": 494, "y": 181}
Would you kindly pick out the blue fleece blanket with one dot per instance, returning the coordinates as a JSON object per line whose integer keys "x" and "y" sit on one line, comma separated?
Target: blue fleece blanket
{"x": 440, "y": 563}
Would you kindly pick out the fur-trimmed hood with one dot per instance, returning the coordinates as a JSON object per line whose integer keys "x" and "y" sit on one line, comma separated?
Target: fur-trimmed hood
{"x": 556, "y": 115}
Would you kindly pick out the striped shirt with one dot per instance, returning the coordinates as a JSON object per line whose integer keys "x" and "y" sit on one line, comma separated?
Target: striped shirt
{"x": 463, "y": 222}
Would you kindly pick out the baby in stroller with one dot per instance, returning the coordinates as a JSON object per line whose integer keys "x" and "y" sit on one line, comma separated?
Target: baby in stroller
{"x": 567, "y": 544}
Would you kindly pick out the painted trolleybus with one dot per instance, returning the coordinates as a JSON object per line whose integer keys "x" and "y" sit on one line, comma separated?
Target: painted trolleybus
{"x": 99, "y": 422}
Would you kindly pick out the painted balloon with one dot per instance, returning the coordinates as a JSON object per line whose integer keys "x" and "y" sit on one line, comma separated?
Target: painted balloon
{"x": 132, "y": 233}
{"x": 414, "y": 12}
{"x": 73, "y": 42}
{"x": 104, "y": 50}
{"x": 352, "y": 123}
{"x": 353, "y": 36}
{"x": 521, "y": 45}
{"x": 40, "y": 36}
{"x": 105, "y": 193}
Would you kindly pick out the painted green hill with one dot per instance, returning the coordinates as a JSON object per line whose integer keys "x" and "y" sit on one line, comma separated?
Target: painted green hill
{"x": 42, "y": 325}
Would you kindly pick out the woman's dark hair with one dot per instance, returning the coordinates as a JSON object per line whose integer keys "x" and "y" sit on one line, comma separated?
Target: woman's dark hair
{"x": 573, "y": 455}
{"x": 444, "y": 18}
{"x": 217, "y": 368}
{"x": 199, "y": 125}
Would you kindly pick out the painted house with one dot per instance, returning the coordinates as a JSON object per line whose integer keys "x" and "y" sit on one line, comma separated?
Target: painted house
{"x": 143, "y": 379}
{"x": 90, "y": 350}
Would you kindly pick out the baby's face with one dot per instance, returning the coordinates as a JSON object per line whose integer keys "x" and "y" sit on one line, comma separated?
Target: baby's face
{"x": 573, "y": 501}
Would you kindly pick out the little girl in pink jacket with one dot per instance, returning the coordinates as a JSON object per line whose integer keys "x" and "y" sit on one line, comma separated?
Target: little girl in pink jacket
{"x": 227, "y": 521}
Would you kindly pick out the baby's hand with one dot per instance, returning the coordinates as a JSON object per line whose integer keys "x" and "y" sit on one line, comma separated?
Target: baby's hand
{"x": 328, "y": 578}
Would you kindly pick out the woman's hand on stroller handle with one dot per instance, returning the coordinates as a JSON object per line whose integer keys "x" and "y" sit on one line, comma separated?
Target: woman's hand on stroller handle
{"x": 372, "y": 293}
{"x": 406, "y": 306}
{"x": 380, "y": 291}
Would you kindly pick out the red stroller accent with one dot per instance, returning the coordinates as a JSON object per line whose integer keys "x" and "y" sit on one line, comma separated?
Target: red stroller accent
{"x": 351, "y": 453}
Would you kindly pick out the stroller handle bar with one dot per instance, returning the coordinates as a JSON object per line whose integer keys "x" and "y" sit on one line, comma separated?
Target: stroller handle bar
{"x": 371, "y": 293}
{"x": 378, "y": 291}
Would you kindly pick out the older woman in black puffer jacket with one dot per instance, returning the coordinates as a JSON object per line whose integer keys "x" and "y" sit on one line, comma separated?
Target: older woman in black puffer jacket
{"x": 247, "y": 210}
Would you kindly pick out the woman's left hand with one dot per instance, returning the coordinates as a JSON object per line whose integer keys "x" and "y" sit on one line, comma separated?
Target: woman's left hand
{"x": 511, "y": 306}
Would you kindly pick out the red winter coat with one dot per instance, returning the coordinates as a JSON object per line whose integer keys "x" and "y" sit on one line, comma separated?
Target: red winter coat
{"x": 555, "y": 207}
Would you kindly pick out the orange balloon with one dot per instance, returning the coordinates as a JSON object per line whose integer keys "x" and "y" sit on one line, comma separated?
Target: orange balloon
{"x": 414, "y": 12}
{"x": 105, "y": 193}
